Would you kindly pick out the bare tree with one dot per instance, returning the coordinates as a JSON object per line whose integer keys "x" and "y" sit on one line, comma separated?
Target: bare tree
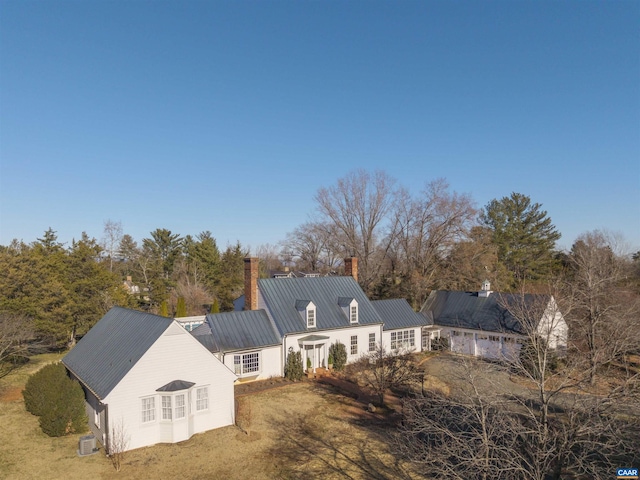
{"x": 111, "y": 239}
{"x": 384, "y": 370}
{"x": 16, "y": 337}
{"x": 605, "y": 319}
{"x": 359, "y": 205}
{"x": 118, "y": 444}
{"x": 427, "y": 228}
{"x": 313, "y": 246}
{"x": 549, "y": 429}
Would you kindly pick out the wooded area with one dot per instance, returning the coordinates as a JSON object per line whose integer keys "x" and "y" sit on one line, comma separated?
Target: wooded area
{"x": 407, "y": 245}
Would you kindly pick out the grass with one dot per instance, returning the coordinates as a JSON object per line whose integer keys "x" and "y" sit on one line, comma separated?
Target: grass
{"x": 295, "y": 431}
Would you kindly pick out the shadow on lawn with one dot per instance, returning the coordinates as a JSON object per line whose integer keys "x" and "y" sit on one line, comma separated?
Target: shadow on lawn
{"x": 353, "y": 446}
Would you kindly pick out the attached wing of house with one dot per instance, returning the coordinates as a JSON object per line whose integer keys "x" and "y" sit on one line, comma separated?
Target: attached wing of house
{"x": 404, "y": 329}
{"x": 147, "y": 375}
{"x": 494, "y": 325}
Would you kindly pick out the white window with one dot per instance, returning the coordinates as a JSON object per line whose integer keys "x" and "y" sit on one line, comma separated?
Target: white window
{"x": 354, "y": 314}
{"x": 180, "y": 406}
{"x": 455, "y": 333}
{"x": 96, "y": 417}
{"x": 482, "y": 337}
{"x": 372, "y": 342}
{"x": 311, "y": 318}
{"x": 166, "y": 407}
{"x": 494, "y": 338}
{"x": 354, "y": 345}
{"x": 403, "y": 338}
{"x": 148, "y": 409}
{"x": 202, "y": 399}
{"x": 246, "y": 363}
{"x": 468, "y": 334}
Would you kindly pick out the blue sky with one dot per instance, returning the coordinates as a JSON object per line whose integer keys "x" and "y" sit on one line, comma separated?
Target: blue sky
{"x": 229, "y": 115}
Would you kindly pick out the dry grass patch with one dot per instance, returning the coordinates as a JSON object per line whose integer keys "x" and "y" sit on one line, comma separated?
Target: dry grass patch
{"x": 298, "y": 430}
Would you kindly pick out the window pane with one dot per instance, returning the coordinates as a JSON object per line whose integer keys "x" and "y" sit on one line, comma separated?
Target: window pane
{"x": 166, "y": 407}
{"x": 354, "y": 344}
{"x": 237, "y": 365}
{"x": 250, "y": 363}
{"x": 372, "y": 342}
{"x": 148, "y": 409}
{"x": 202, "y": 399}
{"x": 180, "y": 410}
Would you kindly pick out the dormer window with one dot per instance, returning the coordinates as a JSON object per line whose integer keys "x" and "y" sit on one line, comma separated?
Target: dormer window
{"x": 311, "y": 317}
{"x": 349, "y": 306}
{"x": 307, "y": 311}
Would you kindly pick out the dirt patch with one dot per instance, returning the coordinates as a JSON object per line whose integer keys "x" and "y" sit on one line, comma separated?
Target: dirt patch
{"x": 11, "y": 394}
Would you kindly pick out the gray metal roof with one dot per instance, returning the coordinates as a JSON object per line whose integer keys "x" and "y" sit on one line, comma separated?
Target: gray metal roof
{"x": 281, "y": 295}
{"x": 103, "y": 357}
{"x": 468, "y": 310}
{"x": 397, "y": 313}
{"x": 175, "y": 386}
{"x": 233, "y": 331}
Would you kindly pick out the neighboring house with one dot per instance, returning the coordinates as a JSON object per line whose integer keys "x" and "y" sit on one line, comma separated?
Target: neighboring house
{"x": 403, "y": 328}
{"x": 484, "y": 323}
{"x": 306, "y": 314}
{"x": 147, "y": 376}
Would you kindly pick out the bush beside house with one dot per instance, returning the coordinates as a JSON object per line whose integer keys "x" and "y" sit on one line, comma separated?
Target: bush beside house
{"x": 59, "y": 401}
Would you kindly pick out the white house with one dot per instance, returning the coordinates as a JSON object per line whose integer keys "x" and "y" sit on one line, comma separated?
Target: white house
{"x": 494, "y": 325}
{"x": 306, "y": 314}
{"x": 146, "y": 376}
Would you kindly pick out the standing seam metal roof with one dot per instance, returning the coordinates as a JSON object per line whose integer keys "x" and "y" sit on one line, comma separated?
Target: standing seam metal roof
{"x": 104, "y": 356}
{"x": 468, "y": 310}
{"x": 280, "y": 296}
{"x": 233, "y": 331}
{"x": 397, "y": 313}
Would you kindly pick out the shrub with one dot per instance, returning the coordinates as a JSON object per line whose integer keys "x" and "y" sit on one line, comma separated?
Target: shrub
{"x": 293, "y": 366}
{"x": 57, "y": 400}
{"x": 339, "y": 353}
{"x": 440, "y": 344}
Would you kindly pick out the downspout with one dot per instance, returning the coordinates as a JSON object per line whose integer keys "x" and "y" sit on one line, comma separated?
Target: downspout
{"x": 106, "y": 429}
{"x": 284, "y": 354}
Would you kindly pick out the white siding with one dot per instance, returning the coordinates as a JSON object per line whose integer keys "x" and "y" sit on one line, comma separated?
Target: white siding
{"x": 496, "y": 346}
{"x": 176, "y": 355}
{"x": 417, "y": 333}
{"x": 321, "y": 352}
{"x": 270, "y": 362}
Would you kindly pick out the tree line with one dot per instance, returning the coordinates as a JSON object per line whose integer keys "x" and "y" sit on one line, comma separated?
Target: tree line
{"x": 407, "y": 245}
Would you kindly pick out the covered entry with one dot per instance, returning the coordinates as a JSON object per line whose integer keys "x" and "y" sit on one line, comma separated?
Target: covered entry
{"x": 316, "y": 349}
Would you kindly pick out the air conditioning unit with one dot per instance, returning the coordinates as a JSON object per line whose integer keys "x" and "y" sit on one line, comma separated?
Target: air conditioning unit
{"x": 87, "y": 445}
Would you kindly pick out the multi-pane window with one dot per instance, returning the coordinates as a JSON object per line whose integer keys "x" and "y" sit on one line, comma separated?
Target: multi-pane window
{"x": 166, "y": 407}
{"x": 372, "y": 342}
{"x": 96, "y": 418}
{"x": 354, "y": 345}
{"x": 455, "y": 333}
{"x": 311, "y": 318}
{"x": 403, "y": 338}
{"x": 202, "y": 399}
{"x": 494, "y": 338}
{"x": 246, "y": 363}
{"x": 354, "y": 314}
{"x": 180, "y": 406}
{"x": 148, "y": 409}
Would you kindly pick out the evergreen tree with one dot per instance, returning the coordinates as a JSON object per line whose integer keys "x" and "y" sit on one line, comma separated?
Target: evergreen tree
{"x": 57, "y": 400}
{"x": 164, "y": 309}
{"x": 181, "y": 308}
{"x": 524, "y": 236}
{"x": 215, "y": 308}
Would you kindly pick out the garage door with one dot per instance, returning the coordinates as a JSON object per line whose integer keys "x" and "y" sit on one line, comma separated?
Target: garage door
{"x": 488, "y": 346}
{"x": 462, "y": 342}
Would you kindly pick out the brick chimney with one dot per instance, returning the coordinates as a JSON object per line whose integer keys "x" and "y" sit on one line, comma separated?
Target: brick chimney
{"x": 250, "y": 283}
{"x": 351, "y": 267}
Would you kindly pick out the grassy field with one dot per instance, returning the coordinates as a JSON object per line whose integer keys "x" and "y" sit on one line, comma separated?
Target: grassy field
{"x": 303, "y": 430}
